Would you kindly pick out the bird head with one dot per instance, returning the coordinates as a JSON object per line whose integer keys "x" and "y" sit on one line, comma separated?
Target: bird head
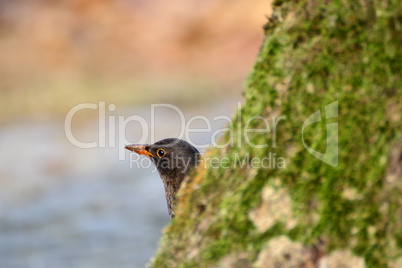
{"x": 172, "y": 157}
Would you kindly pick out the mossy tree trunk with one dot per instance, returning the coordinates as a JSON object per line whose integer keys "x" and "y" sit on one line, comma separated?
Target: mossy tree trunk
{"x": 345, "y": 210}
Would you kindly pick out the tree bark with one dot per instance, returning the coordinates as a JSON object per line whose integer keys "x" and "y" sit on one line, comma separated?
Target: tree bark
{"x": 328, "y": 82}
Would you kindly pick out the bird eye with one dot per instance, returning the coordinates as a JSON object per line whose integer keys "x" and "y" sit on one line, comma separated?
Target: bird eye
{"x": 161, "y": 153}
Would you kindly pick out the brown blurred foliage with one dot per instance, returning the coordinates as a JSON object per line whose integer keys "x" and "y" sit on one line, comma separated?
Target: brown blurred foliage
{"x": 125, "y": 40}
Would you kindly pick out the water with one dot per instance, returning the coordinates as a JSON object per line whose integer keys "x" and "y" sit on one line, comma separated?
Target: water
{"x": 62, "y": 206}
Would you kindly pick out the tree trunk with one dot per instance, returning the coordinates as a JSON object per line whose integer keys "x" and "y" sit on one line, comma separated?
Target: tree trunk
{"x": 328, "y": 189}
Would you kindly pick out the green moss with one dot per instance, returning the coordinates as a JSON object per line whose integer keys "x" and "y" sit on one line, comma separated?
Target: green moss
{"x": 314, "y": 54}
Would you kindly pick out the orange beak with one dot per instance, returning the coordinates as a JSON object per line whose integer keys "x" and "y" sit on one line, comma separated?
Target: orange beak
{"x": 139, "y": 149}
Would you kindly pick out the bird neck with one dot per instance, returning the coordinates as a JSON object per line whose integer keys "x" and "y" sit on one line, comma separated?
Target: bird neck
{"x": 171, "y": 188}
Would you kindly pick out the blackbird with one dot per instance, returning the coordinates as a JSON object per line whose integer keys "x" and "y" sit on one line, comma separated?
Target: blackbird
{"x": 174, "y": 159}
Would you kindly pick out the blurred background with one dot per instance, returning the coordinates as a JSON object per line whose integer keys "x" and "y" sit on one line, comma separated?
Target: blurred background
{"x": 63, "y": 206}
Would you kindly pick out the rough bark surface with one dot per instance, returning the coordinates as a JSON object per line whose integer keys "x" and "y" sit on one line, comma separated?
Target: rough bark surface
{"x": 308, "y": 213}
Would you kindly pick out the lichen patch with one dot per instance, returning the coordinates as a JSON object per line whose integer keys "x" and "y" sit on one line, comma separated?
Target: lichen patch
{"x": 341, "y": 258}
{"x": 282, "y": 252}
{"x": 235, "y": 260}
{"x": 276, "y": 206}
